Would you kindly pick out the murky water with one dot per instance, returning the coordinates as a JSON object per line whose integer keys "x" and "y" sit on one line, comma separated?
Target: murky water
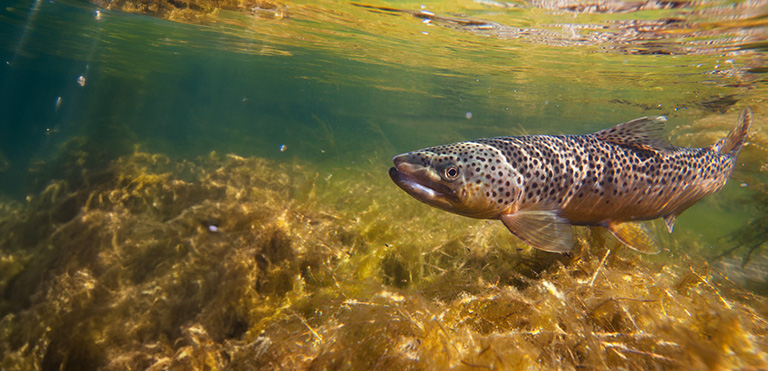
{"x": 338, "y": 88}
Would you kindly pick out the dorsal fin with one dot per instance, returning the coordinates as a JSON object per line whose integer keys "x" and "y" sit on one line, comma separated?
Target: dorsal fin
{"x": 646, "y": 133}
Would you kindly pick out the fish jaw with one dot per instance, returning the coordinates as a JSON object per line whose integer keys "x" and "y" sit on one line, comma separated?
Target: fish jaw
{"x": 422, "y": 183}
{"x": 422, "y": 174}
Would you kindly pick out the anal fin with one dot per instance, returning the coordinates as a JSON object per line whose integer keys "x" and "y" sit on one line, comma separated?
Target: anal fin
{"x": 541, "y": 227}
{"x": 636, "y": 236}
{"x": 669, "y": 221}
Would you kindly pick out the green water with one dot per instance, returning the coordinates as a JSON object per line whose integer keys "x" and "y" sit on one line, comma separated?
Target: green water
{"x": 338, "y": 89}
{"x": 338, "y": 84}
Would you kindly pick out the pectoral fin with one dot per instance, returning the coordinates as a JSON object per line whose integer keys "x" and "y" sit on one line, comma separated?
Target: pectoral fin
{"x": 542, "y": 228}
{"x": 635, "y": 235}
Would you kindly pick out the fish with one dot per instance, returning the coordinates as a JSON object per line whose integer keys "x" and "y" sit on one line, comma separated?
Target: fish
{"x": 539, "y": 186}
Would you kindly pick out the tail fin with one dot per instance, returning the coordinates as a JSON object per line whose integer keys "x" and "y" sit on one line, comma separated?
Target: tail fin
{"x": 735, "y": 140}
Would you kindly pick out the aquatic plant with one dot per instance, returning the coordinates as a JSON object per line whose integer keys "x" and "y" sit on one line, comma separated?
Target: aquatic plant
{"x": 231, "y": 262}
{"x": 747, "y": 258}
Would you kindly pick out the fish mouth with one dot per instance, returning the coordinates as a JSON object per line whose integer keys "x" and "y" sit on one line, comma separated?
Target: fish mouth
{"x": 416, "y": 181}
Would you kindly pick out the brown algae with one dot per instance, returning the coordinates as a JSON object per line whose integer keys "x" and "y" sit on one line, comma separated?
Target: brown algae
{"x": 242, "y": 263}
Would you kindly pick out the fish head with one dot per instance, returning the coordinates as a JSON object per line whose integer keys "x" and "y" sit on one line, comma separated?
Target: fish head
{"x": 467, "y": 178}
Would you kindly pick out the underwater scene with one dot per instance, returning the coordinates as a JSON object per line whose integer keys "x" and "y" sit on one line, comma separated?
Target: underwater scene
{"x": 209, "y": 184}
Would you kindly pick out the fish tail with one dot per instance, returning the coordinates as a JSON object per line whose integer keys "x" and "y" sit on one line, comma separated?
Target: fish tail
{"x": 735, "y": 140}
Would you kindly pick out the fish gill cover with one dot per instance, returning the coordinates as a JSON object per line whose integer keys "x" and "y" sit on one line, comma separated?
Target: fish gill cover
{"x": 243, "y": 263}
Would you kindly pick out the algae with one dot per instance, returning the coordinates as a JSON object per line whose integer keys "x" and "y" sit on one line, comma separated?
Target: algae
{"x": 244, "y": 263}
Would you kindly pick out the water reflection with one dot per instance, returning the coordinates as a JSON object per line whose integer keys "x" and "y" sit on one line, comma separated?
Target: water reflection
{"x": 719, "y": 30}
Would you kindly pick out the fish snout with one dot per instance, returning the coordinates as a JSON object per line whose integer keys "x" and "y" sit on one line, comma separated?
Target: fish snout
{"x": 399, "y": 160}
{"x": 411, "y": 159}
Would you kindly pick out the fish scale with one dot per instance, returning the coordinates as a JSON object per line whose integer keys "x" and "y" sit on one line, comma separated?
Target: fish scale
{"x": 600, "y": 180}
{"x": 540, "y": 185}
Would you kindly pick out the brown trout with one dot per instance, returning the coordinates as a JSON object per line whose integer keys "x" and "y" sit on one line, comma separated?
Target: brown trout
{"x": 541, "y": 185}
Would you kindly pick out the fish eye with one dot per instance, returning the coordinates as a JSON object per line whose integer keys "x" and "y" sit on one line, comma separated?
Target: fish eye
{"x": 451, "y": 172}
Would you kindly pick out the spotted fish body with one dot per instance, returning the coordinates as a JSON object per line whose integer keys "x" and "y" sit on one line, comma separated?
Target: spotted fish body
{"x": 540, "y": 185}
